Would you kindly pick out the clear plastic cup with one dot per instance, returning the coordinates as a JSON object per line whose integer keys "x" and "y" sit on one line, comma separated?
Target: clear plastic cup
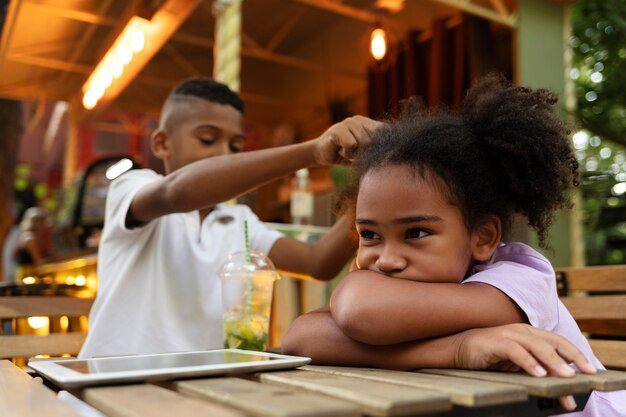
{"x": 247, "y": 286}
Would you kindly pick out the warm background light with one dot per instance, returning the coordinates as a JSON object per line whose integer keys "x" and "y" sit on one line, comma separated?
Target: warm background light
{"x": 378, "y": 44}
{"x": 131, "y": 41}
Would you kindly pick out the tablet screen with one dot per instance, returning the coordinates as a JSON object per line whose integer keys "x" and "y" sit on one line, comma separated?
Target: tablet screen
{"x": 137, "y": 363}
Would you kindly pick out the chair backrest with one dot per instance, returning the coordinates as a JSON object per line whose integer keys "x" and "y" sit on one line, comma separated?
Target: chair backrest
{"x": 66, "y": 332}
{"x": 596, "y": 298}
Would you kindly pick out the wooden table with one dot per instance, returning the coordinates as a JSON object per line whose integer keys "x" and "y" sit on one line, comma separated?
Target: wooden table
{"x": 315, "y": 391}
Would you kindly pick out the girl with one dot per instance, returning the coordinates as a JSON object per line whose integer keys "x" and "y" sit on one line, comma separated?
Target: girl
{"x": 431, "y": 198}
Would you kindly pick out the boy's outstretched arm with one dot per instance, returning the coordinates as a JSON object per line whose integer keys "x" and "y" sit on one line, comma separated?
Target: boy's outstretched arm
{"x": 508, "y": 347}
{"x": 322, "y": 260}
{"x": 205, "y": 183}
{"x": 379, "y": 310}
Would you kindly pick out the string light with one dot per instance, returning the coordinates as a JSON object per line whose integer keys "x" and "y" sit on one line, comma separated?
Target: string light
{"x": 131, "y": 42}
{"x": 378, "y": 44}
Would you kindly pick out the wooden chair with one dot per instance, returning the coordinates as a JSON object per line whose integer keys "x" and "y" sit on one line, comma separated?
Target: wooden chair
{"x": 62, "y": 338}
{"x": 596, "y": 297}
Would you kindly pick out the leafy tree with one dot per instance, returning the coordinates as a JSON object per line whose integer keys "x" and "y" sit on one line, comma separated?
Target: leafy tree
{"x": 599, "y": 45}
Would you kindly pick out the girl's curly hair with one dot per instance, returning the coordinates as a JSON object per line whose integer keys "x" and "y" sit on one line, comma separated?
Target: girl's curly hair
{"x": 506, "y": 152}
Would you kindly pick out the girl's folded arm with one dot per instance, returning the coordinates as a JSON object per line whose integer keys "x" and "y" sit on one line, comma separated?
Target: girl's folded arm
{"x": 379, "y": 310}
{"x": 536, "y": 351}
{"x": 330, "y": 346}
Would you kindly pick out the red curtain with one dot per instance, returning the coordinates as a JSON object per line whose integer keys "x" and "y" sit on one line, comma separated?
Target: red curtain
{"x": 439, "y": 66}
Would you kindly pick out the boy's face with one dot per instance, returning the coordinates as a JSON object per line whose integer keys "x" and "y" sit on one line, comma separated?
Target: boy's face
{"x": 408, "y": 229}
{"x": 196, "y": 129}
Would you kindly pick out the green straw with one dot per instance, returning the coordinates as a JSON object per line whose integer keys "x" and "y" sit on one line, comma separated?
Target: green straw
{"x": 250, "y": 286}
{"x": 245, "y": 228}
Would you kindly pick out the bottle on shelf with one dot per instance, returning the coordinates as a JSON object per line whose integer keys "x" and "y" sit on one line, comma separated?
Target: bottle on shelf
{"x": 301, "y": 208}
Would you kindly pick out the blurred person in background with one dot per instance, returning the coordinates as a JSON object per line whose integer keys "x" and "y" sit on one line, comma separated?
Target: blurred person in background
{"x": 31, "y": 246}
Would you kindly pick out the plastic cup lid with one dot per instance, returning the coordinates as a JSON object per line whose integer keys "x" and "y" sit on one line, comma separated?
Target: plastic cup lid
{"x": 238, "y": 262}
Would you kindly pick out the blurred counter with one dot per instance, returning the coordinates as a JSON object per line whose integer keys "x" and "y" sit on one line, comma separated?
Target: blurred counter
{"x": 77, "y": 276}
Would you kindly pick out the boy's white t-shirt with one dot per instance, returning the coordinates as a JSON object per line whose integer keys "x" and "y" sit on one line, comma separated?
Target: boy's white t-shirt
{"x": 158, "y": 289}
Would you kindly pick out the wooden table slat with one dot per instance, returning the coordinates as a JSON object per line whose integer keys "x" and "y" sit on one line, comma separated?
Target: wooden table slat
{"x": 265, "y": 400}
{"x": 22, "y": 396}
{"x": 151, "y": 400}
{"x": 476, "y": 394}
{"x": 607, "y": 380}
{"x": 541, "y": 387}
{"x": 373, "y": 397}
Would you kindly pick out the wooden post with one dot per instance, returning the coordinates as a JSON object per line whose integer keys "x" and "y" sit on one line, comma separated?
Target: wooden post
{"x": 71, "y": 145}
{"x": 10, "y": 133}
{"x": 227, "y": 48}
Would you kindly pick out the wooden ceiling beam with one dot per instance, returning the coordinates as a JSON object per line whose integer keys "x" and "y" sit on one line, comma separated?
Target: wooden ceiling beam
{"x": 8, "y": 29}
{"x": 44, "y": 48}
{"x": 73, "y": 14}
{"x": 467, "y": 6}
{"x": 50, "y": 63}
{"x": 263, "y": 54}
{"x": 87, "y": 37}
{"x": 343, "y": 10}
{"x": 29, "y": 84}
{"x": 500, "y": 7}
{"x": 181, "y": 61}
{"x": 284, "y": 30}
{"x": 196, "y": 40}
{"x": 355, "y": 13}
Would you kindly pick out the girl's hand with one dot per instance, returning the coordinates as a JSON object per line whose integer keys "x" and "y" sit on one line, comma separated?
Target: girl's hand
{"x": 339, "y": 144}
{"x": 521, "y": 346}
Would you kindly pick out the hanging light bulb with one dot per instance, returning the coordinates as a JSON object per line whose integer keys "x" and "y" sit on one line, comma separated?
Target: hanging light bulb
{"x": 378, "y": 44}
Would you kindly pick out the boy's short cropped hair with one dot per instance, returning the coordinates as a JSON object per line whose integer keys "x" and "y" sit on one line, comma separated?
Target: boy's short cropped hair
{"x": 208, "y": 89}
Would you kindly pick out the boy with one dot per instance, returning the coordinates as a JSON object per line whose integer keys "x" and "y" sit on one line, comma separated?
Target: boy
{"x": 166, "y": 236}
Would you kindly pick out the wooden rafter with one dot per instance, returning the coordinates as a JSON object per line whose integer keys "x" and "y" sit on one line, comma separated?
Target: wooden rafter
{"x": 266, "y": 55}
{"x": 499, "y": 7}
{"x": 181, "y": 61}
{"x": 44, "y": 48}
{"x": 79, "y": 15}
{"x": 283, "y": 31}
{"x": 87, "y": 37}
{"x": 500, "y": 15}
{"x": 50, "y": 63}
{"x": 342, "y": 9}
{"x": 8, "y": 28}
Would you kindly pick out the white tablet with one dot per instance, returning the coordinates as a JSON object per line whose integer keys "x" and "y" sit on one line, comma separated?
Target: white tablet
{"x": 69, "y": 373}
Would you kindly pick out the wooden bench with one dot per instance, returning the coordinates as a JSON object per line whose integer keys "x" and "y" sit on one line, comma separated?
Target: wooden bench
{"x": 66, "y": 328}
{"x": 596, "y": 298}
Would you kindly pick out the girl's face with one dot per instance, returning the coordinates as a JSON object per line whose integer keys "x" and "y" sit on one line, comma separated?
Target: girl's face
{"x": 408, "y": 229}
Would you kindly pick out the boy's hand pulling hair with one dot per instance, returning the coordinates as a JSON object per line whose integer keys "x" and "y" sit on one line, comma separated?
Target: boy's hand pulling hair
{"x": 339, "y": 144}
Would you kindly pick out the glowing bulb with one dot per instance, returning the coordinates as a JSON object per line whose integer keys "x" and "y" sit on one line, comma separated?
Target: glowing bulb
{"x": 81, "y": 280}
{"x": 64, "y": 322}
{"x": 98, "y": 91}
{"x": 125, "y": 54}
{"x": 38, "y": 322}
{"x": 89, "y": 99}
{"x": 118, "y": 169}
{"x": 137, "y": 40}
{"x": 117, "y": 69}
{"x": 378, "y": 44}
{"x": 28, "y": 280}
{"x": 105, "y": 79}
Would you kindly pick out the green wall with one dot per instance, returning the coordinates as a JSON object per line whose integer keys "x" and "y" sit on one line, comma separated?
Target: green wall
{"x": 541, "y": 42}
